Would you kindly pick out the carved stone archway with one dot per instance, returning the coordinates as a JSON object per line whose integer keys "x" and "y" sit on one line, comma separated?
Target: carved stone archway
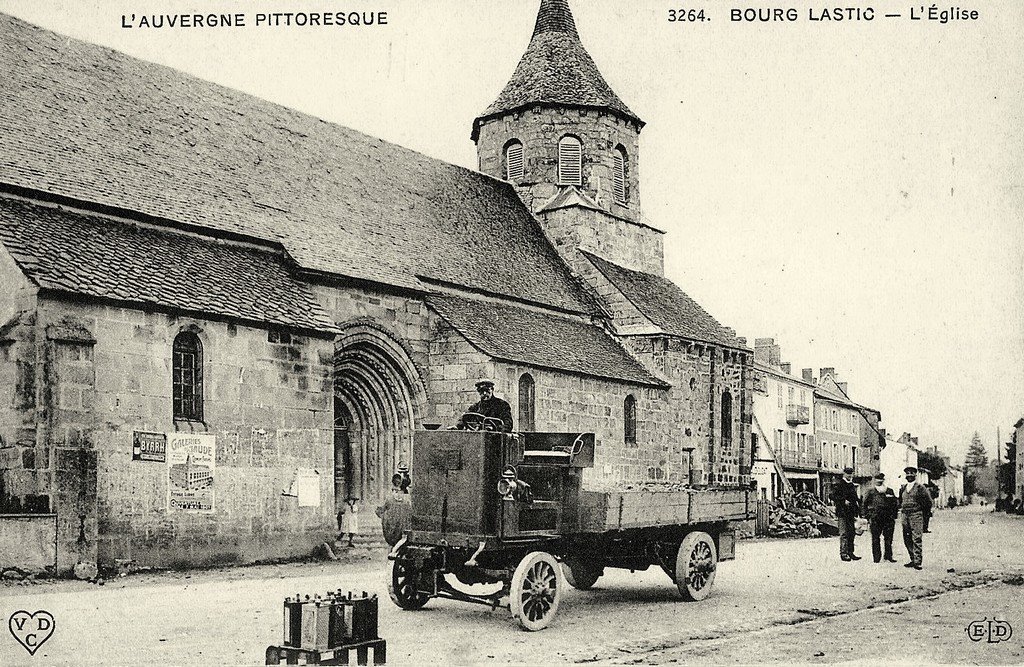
{"x": 379, "y": 397}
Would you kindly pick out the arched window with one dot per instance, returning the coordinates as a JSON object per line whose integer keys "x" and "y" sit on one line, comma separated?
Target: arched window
{"x": 629, "y": 420}
{"x": 187, "y": 377}
{"x": 727, "y": 419}
{"x": 527, "y": 403}
{"x": 620, "y": 175}
{"x": 515, "y": 168}
{"x": 570, "y": 161}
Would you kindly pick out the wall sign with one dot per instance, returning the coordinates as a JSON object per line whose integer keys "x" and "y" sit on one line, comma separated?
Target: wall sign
{"x": 191, "y": 468}
{"x": 149, "y": 447}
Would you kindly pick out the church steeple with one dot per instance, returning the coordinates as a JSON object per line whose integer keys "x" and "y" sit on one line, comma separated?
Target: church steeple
{"x": 555, "y": 16}
{"x": 556, "y": 70}
{"x": 569, "y": 144}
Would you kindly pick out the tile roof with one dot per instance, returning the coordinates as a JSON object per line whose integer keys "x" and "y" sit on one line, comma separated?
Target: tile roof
{"x": 524, "y": 336}
{"x": 556, "y": 69}
{"x": 101, "y": 257}
{"x": 665, "y": 305}
{"x": 96, "y": 125}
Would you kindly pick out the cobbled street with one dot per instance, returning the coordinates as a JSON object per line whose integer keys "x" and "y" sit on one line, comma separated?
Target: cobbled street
{"x": 780, "y": 601}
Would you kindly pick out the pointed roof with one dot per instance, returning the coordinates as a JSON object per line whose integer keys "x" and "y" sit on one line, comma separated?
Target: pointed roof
{"x": 556, "y": 70}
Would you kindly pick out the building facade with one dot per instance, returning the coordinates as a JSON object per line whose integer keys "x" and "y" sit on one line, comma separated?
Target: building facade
{"x": 202, "y": 284}
{"x": 784, "y": 419}
{"x": 848, "y": 434}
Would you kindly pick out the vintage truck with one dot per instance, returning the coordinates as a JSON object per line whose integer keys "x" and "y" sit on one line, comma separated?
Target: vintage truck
{"x": 509, "y": 511}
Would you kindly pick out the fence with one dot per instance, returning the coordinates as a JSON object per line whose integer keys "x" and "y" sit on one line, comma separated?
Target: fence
{"x": 761, "y": 519}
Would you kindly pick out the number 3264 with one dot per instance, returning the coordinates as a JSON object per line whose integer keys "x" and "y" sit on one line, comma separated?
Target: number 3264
{"x": 686, "y": 15}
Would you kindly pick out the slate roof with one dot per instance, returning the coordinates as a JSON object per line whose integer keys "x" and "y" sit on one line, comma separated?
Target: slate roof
{"x": 101, "y": 257}
{"x": 514, "y": 334}
{"x": 556, "y": 70}
{"x": 96, "y": 125}
{"x": 665, "y": 305}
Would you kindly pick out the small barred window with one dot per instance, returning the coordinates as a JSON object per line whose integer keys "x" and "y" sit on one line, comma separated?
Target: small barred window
{"x": 187, "y": 377}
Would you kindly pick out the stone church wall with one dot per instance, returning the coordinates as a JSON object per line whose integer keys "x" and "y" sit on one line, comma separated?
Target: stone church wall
{"x": 624, "y": 243}
{"x": 106, "y": 373}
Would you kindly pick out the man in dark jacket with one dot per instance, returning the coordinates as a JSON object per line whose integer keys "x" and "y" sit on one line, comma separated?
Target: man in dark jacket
{"x": 915, "y": 502}
{"x": 879, "y": 506}
{"x": 844, "y": 495}
{"x": 491, "y": 406}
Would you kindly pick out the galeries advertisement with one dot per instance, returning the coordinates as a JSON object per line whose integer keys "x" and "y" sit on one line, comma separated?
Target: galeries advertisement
{"x": 191, "y": 465}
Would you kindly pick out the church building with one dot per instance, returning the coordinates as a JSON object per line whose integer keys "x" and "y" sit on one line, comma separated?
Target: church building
{"x": 220, "y": 318}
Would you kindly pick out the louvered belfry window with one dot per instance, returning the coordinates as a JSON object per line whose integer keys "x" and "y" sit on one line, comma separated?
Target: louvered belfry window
{"x": 515, "y": 169}
{"x": 187, "y": 377}
{"x": 570, "y": 161}
{"x": 619, "y": 177}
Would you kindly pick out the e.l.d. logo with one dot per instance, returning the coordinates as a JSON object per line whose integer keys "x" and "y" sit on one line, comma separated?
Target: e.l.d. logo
{"x": 993, "y": 631}
{"x": 31, "y": 630}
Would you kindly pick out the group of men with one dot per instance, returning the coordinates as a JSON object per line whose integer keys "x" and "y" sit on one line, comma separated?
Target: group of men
{"x": 881, "y": 506}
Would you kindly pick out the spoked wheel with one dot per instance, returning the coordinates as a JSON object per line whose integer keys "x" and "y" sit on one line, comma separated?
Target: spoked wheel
{"x": 696, "y": 563}
{"x": 581, "y": 575}
{"x": 536, "y": 591}
{"x": 401, "y": 579}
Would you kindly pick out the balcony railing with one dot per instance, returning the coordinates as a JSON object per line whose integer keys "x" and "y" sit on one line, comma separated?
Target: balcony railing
{"x": 804, "y": 460}
{"x": 798, "y": 414}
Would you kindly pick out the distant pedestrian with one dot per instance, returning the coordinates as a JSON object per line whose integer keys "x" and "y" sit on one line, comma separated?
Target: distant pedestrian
{"x": 348, "y": 520}
{"x": 844, "y": 495}
{"x": 915, "y": 502}
{"x": 879, "y": 506}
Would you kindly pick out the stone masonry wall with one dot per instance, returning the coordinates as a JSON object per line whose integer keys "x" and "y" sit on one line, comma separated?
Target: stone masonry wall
{"x": 540, "y": 130}
{"x": 268, "y": 403}
{"x": 668, "y": 420}
{"x": 624, "y": 243}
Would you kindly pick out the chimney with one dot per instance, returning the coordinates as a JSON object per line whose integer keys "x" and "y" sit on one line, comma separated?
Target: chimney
{"x": 905, "y": 438}
{"x": 741, "y": 341}
{"x": 827, "y": 371}
{"x": 914, "y": 440}
{"x": 766, "y": 351}
{"x": 881, "y": 432}
{"x": 808, "y": 375}
{"x": 786, "y": 367}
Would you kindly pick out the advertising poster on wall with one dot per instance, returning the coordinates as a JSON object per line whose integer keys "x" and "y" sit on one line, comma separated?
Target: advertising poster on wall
{"x": 149, "y": 447}
{"x": 191, "y": 465}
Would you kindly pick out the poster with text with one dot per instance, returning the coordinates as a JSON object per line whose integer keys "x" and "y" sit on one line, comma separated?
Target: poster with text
{"x": 191, "y": 466}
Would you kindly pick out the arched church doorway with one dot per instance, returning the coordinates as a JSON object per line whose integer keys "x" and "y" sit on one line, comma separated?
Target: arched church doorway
{"x": 378, "y": 399}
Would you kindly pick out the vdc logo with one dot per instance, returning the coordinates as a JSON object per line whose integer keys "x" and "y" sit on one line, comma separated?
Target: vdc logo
{"x": 31, "y": 630}
{"x": 993, "y": 631}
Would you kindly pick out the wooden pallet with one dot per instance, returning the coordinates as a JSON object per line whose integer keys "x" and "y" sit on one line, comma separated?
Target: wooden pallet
{"x": 292, "y": 655}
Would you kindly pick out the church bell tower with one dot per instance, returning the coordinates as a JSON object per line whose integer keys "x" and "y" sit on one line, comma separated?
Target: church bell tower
{"x": 570, "y": 146}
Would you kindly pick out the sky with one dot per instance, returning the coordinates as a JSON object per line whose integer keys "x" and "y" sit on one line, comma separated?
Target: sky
{"x": 853, "y": 189}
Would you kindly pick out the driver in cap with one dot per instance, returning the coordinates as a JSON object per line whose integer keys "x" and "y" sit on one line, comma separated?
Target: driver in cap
{"x": 490, "y": 405}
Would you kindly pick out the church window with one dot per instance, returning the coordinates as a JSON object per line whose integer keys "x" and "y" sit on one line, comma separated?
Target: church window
{"x": 515, "y": 168}
{"x": 619, "y": 176}
{"x": 570, "y": 161}
{"x": 629, "y": 419}
{"x": 527, "y": 403}
{"x": 727, "y": 420}
{"x": 187, "y": 377}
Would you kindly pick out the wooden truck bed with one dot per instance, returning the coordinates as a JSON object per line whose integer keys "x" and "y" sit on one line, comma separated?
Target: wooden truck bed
{"x": 602, "y": 511}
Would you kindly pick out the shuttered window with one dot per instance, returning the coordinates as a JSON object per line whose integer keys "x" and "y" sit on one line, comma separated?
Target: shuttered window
{"x": 619, "y": 177}
{"x": 514, "y": 166}
{"x": 570, "y": 161}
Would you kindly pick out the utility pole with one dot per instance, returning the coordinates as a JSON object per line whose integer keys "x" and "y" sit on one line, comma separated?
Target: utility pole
{"x": 999, "y": 464}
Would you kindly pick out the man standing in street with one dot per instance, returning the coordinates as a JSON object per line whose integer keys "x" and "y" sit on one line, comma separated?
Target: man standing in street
{"x": 844, "y": 495}
{"x": 879, "y": 506}
{"x": 915, "y": 502}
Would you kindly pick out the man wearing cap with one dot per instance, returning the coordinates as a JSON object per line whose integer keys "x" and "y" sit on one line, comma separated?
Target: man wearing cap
{"x": 879, "y": 506}
{"x": 490, "y": 405}
{"x": 915, "y": 501}
{"x": 844, "y": 495}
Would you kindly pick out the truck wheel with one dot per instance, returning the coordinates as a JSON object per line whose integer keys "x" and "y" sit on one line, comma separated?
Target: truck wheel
{"x": 696, "y": 563}
{"x": 536, "y": 591}
{"x": 581, "y": 575}
{"x": 401, "y": 580}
